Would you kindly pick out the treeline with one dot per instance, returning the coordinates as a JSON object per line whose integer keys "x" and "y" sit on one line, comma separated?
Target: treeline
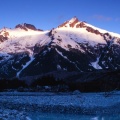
{"x": 11, "y": 84}
{"x": 49, "y": 84}
{"x": 48, "y": 80}
{"x": 95, "y": 86}
{"x": 45, "y": 83}
{"x": 84, "y": 82}
{"x": 95, "y": 81}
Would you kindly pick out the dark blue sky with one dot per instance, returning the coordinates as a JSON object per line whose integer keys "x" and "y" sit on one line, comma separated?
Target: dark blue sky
{"x": 46, "y": 14}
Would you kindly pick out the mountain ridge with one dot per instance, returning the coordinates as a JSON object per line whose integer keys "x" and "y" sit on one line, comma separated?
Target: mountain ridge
{"x": 73, "y": 46}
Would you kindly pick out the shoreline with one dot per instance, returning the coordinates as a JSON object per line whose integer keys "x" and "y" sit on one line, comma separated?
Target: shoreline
{"x": 80, "y": 103}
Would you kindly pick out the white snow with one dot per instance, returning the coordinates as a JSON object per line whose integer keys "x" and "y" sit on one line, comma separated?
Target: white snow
{"x": 95, "y": 64}
{"x": 24, "y": 66}
{"x": 73, "y": 36}
{"x": 20, "y": 40}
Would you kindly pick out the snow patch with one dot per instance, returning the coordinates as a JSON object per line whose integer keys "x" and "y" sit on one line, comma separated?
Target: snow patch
{"x": 59, "y": 67}
{"x": 25, "y": 66}
{"x": 95, "y": 64}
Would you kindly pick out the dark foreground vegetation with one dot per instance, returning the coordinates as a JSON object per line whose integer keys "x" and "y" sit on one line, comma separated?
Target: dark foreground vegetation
{"x": 84, "y": 82}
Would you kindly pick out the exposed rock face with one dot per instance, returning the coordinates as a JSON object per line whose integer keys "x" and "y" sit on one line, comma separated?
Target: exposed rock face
{"x": 81, "y": 25}
{"x": 4, "y": 36}
{"x": 21, "y": 26}
{"x": 78, "y": 24}
{"x": 64, "y": 24}
{"x": 1, "y": 38}
{"x": 107, "y": 37}
{"x": 32, "y": 27}
{"x": 50, "y": 33}
{"x": 90, "y": 29}
{"x": 39, "y": 29}
{"x": 69, "y": 23}
{"x": 27, "y": 26}
{"x": 74, "y": 22}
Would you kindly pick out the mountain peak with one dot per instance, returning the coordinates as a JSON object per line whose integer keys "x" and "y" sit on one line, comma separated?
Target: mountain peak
{"x": 75, "y": 23}
{"x": 27, "y": 26}
{"x": 73, "y": 19}
{"x": 70, "y": 23}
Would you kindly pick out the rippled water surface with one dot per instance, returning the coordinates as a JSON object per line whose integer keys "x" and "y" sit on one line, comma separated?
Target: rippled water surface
{"x": 57, "y": 116}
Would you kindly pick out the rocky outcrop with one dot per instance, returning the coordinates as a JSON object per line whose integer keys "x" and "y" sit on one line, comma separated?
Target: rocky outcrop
{"x": 81, "y": 25}
{"x": 4, "y": 36}
{"x": 27, "y": 26}
{"x": 30, "y": 26}
{"x": 21, "y": 27}
{"x": 1, "y": 38}
{"x": 63, "y": 25}
{"x": 39, "y": 29}
{"x": 74, "y": 22}
{"x": 90, "y": 29}
{"x": 69, "y": 23}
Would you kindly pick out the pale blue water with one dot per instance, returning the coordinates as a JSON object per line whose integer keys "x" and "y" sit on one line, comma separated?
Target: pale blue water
{"x": 57, "y": 116}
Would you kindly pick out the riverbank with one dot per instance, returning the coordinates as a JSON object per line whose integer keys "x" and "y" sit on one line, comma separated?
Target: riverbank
{"x": 73, "y": 102}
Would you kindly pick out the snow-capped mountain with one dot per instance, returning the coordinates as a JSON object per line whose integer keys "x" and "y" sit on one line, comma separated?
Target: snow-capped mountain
{"x": 74, "y": 46}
